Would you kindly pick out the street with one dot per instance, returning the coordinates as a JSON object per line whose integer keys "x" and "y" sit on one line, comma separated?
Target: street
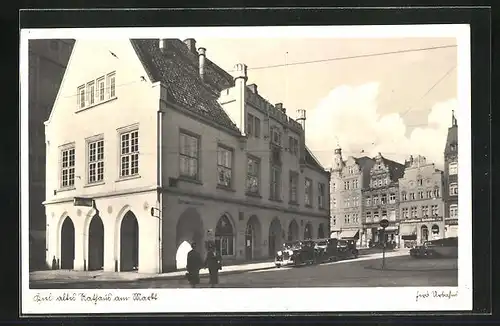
{"x": 399, "y": 271}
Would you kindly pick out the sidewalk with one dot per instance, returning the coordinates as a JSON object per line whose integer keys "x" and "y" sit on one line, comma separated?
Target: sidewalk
{"x": 69, "y": 276}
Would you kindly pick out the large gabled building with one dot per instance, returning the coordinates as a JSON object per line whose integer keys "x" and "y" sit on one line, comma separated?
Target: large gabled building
{"x": 450, "y": 193}
{"x": 172, "y": 149}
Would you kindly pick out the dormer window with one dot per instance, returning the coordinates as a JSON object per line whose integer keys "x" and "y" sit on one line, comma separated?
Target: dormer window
{"x": 96, "y": 91}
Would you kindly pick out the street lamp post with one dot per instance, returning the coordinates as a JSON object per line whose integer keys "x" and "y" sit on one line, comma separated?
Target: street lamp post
{"x": 383, "y": 223}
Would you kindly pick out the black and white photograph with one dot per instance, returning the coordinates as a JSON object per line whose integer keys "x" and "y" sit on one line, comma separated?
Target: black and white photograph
{"x": 246, "y": 169}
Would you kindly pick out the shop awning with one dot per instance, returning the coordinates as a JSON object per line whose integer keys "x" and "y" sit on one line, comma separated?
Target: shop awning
{"x": 349, "y": 234}
{"x": 407, "y": 229}
{"x": 389, "y": 228}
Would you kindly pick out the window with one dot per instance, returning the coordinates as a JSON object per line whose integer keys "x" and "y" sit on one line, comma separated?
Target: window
{"x": 100, "y": 89}
{"x": 384, "y": 214}
{"x": 386, "y": 181}
{"x": 334, "y": 202}
{"x": 224, "y": 166}
{"x": 383, "y": 199}
{"x": 453, "y": 168}
{"x": 346, "y": 185}
{"x": 420, "y": 195}
{"x": 96, "y": 161}
{"x": 355, "y": 201}
{"x": 419, "y": 181}
{"x": 355, "y": 184}
{"x": 429, "y": 194}
{"x": 308, "y": 192}
{"x": 404, "y": 212}
{"x": 414, "y": 213}
{"x": 334, "y": 186}
{"x": 294, "y": 183}
{"x": 435, "y": 210}
{"x": 412, "y": 196}
{"x": 375, "y": 200}
{"x": 380, "y": 182}
{"x": 321, "y": 195}
{"x": 129, "y": 156}
{"x": 355, "y": 218}
{"x": 368, "y": 217}
{"x": 275, "y": 136}
{"x": 81, "y": 97}
{"x": 375, "y": 216}
{"x": 351, "y": 170}
{"x": 436, "y": 193}
{"x": 293, "y": 143}
{"x": 334, "y": 220}
{"x": 453, "y": 189}
{"x": 275, "y": 192}
{"x": 392, "y": 198}
{"x": 257, "y": 127}
{"x": 250, "y": 125}
{"x": 111, "y": 85}
{"x": 368, "y": 201}
{"x": 425, "y": 211}
{"x": 454, "y": 211}
{"x": 91, "y": 93}
{"x": 253, "y": 175}
{"x": 68, "y": 167}
{"x": 404, "y": 196}
{"x": 189, "y": 156}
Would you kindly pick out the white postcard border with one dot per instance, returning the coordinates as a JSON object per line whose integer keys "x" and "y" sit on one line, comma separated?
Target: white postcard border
{"x": 274, "y": 299}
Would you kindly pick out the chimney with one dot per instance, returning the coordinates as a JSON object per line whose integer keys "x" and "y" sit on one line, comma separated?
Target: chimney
{"x": 202, "y": 56}
{"x": 283, "y": 110}
{"x": 301, "y": 118}
{"x": 279, "y": 106}
{"x": 191, "y": 44}
{"x": 253, "y": 88}
{"x": 240, "y": 85}
{"x": 163, "y": 45}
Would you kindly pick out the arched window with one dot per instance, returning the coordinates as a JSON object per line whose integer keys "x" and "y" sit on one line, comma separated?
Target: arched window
{"x": 224, "y": 236}
{"x": 453, "y": 189}
{"x": 435, "y": 229}
{"x": 436, "y": 192}
{"x": 404, "y": 196}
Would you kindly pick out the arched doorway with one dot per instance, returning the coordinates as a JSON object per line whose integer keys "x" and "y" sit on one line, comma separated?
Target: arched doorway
{"x": 252, "y": 238}
{"x": 129, "y": 243}
{"x": 96, "y": 244}
{"x": 224, "y": 237}
{"x": 308, "y": 232}
{"x": 321, "y": 231}
{"x": 189, "y": 229}
{"x": 67, "y": 244}
{"x": 293, "y": 231}
{"x": 424, "y": 233}
{"x": 275, "y": 237}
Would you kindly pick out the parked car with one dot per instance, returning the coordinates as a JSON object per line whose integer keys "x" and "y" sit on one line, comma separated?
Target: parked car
{"x": 447, "y": 247}
{"x": 326, "y": 250}
{"x": 347, "y": 249}
{"x": 296, "y": 253}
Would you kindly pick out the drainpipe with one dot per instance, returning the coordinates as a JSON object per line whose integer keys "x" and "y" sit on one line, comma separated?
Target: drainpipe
{"x": 159, "y": 182}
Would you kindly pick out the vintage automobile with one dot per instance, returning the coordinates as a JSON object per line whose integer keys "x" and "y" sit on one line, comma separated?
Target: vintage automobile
{"x": 296, "y": 253}
{"x": 347, "y": 249}
{"x": 326, "y": 250}
{"x": 447, "y": 247}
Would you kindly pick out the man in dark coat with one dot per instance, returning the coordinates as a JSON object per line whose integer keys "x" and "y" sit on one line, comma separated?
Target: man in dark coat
{"x": 193, "y": 266}
{"x": 214, "y": 264}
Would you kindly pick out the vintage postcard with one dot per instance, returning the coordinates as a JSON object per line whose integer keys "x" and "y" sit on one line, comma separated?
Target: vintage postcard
{"x": 246, "y": 169}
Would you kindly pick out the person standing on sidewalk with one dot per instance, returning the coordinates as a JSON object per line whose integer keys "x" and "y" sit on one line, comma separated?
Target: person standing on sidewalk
{"x": 193, "y": 266}
{"x": 214, "y": 263}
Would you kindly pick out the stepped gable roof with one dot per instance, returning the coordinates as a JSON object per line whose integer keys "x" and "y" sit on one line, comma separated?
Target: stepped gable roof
{"x": 178, "y": 70}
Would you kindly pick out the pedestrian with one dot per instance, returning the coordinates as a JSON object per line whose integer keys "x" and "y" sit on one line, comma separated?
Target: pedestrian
{"x": 214, "y": 263}
{"x": 193, "y": 266}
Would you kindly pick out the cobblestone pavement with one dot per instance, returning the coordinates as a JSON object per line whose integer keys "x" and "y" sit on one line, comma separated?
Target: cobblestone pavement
{"x": 399, "y": 271}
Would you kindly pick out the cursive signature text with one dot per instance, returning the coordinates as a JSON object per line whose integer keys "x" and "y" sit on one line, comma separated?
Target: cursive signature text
{"x": 435, "y": 294}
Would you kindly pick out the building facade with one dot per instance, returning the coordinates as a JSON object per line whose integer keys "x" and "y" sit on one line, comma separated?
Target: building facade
{"x": 381, "y": 200}
{"x": 47, "y": 62}
{"x": 348, "y": 178}
{"x": 421, "y": 206}
{"x": 173, "y": 149}
{"x": 450, "y": 193}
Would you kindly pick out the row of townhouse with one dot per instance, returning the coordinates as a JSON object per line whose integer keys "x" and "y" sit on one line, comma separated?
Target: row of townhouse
{"x": 172, "y": 149}
{"x": 419, "y": 201}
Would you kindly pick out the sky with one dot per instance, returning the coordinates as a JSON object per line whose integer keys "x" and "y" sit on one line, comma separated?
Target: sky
{"x": 398, "y": 104}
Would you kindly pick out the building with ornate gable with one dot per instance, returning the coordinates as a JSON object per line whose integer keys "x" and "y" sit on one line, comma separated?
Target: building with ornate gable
{"x": 172, "y": 149}
{"x": 421, "y": 207}
{"x": 450, "y": 189}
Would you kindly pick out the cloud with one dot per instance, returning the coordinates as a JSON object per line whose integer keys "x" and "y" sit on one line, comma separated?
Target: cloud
{"x": 349, "y": 115}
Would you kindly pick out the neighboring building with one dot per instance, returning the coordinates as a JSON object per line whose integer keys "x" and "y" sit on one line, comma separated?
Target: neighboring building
{"x": 381, "y": 199}
{"x": 348, "y": 178}
{"x": 421, "y": 203}
{"x": 450, "y": 193}
{"x": 47, "y": 62}
{"x": 156, "y": 126}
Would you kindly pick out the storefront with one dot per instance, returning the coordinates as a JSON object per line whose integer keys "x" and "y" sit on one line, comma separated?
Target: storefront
{"x": 350, "y": 234}
{"x": 408, "y": 235}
